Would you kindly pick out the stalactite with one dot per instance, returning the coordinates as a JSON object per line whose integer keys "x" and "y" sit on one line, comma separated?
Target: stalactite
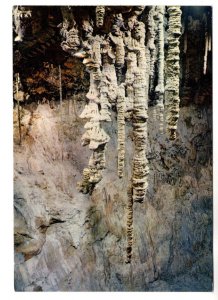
{"x": 140, "y": 106}
{"x": 97, "y": 108}
{"x": 60, "y": 86}
{"x": 87, "y": 31}
{"x": 117, "y": 39}
{"x": 172, "y": 99}
{"x": 138, "y": 10}
{"x": 129, "y": 225}
{"x": 18, "y": 106}
{"x": 108, "y": 84}
{"x": 206, "y": 53}
{"x": 159, "y": 90}
{"x": 130, "y": 77}
{"x": 121, "y": 129}
{"x": 100, "y": 12}
{"x": 94, "y": 135}
{"x": 84, "y": 185}
{"x": 140, "y": 163}
{"x": 209, "y": 43}
{"x": 151, "y": 45}
{"x": 72, "y": 42}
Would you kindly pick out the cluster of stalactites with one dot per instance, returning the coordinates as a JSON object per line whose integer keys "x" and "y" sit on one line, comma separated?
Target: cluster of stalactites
{"x": 20, "y": 15}
{"x": 172, "y": 99}
{"x": 97, "y": 111}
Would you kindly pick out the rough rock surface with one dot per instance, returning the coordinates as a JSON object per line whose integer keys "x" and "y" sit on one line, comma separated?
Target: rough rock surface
{"x": 68, "y": 241}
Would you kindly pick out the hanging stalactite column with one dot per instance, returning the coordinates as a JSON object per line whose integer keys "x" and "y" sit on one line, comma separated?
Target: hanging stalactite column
{"x": 18, "y": 106}
{"x": 121, "y": 128}
{"x": 159, "y": 90}
{"x": 172, "y": 99}
{"x": 140, "y": 107}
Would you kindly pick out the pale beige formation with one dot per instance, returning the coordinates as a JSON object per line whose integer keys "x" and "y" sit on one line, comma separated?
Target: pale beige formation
{"x": 121, "y": 129}
{"x": 172, "y": 98}
{"x": 100, "y": 12}
{"x": 159, "y": 89}
{"x": 125, "y": 68}
{"x": 20, "y": 13}
{"x": 129, "y": 227}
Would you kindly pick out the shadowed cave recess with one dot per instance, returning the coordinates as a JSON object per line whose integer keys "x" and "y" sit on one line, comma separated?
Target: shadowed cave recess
{"x": 113, "y": 148}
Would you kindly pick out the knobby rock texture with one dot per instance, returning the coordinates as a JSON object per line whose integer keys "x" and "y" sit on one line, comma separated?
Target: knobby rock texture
{"x": 113, "y": 148}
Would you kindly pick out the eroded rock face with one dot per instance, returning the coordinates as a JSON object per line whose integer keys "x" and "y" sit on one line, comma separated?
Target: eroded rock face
{"x": 69, "y": 241}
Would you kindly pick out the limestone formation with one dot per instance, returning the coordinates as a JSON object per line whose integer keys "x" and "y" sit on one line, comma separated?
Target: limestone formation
{"x": 84, "y": 185}
{"x": 94, "y": 135}
{"x": 152, "y": 48}
{"x": 159, "y": 89}
{"x": 172, "y": 98}
{"x": 100, "y": 12}
{"x": 108, "y": 84}
{"x": 121, "y": 129}
{"x": 140, "y": 163}
{"x": 20, "y": 17}
{"x": 119, "y": 75}
{"x": 129, "y": 227}
{"x": 140, "y": 106}
{"x": 116, "y": 37}
{"x": 124, "y": 68}
{"x": 72, "y": 42}
{"x": 131, "y": 61}
{"x": 207, "y": 49}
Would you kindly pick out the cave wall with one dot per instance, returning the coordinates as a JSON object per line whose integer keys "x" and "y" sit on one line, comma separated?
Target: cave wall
{"x": 69, "y": 241}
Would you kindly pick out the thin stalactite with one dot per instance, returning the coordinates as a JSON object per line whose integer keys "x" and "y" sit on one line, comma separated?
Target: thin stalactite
{"x": 121, "y": 129}
{"x": 206, "y": 52}
{"x": 18, "y": 107}
{"x": 159, "y": 89}
{"x": 129, "y": 225}
{"x": 151, "y": 45}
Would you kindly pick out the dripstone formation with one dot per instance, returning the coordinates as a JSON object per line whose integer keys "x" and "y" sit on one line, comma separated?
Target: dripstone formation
{"x": 113, "y": 148}
{"x": 122, "y": 72}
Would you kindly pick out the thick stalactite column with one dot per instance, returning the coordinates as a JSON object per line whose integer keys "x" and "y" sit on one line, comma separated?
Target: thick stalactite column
{"x": 140, "y": 106}
{"x": 172, "y": 99}
{"x": 140, "y": 163}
